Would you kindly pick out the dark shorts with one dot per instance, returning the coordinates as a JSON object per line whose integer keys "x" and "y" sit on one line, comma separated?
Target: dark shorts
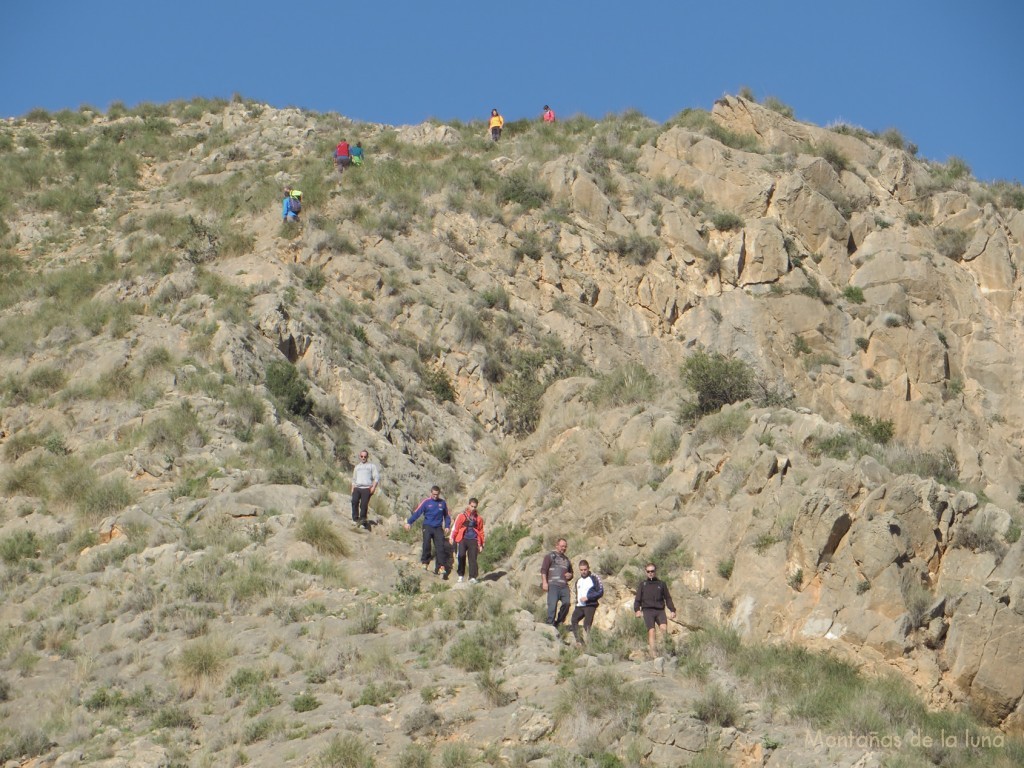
{"x": 654, "y": 616}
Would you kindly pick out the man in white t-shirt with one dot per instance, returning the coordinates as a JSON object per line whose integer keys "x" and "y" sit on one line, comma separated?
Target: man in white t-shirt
{"x": 589, "y": 590}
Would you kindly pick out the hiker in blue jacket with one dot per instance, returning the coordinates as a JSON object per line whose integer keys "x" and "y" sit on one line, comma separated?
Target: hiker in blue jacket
{"x": 436, "y": 523}
{"x": 291, "y": 205}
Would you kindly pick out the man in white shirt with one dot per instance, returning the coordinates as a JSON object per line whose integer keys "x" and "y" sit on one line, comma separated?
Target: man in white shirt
{"x": 589, "y": 590}
{"x": 365, "y": 481}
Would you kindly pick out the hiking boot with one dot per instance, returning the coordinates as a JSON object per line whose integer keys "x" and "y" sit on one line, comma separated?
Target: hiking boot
{"x": 445, "y": 575}
{"x": 472, "y": 581}
{"x": 460, "y": 579}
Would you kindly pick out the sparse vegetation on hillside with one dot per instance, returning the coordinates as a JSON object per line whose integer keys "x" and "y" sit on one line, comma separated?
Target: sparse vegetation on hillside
{"x": 184, "y": 383}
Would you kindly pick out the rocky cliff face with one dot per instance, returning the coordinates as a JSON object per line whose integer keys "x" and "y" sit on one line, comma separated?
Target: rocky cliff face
{"x": 186, "y": 380}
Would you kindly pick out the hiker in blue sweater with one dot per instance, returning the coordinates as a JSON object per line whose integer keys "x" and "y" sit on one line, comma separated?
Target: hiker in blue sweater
{"x": 291, "y": 206}
{"x": 436, "y": 522}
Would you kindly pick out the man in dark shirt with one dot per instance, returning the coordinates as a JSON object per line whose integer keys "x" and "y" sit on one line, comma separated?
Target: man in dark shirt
{"x": 555, "y": 575}
{"x": 652, "y": 598}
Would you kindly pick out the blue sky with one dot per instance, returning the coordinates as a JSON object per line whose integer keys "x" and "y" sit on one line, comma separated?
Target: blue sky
{"x": 946, "y": 73}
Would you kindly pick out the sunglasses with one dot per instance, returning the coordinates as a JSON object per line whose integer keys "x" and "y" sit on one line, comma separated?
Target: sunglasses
{"x": 650, "y": 571}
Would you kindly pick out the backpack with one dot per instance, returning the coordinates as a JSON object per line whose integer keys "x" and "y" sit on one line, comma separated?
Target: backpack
{"x": 596, "y": 592}
{"x": 294, "y": 205}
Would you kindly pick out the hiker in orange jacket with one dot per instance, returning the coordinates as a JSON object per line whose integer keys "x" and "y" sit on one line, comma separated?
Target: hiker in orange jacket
{"x": 468, "y": 533}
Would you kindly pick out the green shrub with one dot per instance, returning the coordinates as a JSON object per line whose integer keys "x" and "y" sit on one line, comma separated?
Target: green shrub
{"x": 305, "y": 702}
{"x": 725, "y": 567}
{"x": 174, "y": 717}
{"x": 775, "y": 105}
{"x": 892, "y": 137}
{"x": 374, "y": 695}
{"x": 439, "y": 384}
{"x": 520, "y": 187}
{"x": 636, "y": 248}
{"x": 501, "y": 540}
{"x": 529, "y": 247}
{"x": 716, "y": 380}
{"x": 19, "y": 545}
{"x": 862, "y": 343}
{"x": 854, "y": 294}
{"x": 877, "y": 430}
{"x": 532, "y": 371}
{"x": 724, "y": 221}
{"x": 285, "y": 383}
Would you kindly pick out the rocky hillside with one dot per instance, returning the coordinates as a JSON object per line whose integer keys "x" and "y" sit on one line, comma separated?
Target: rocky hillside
{"x": 778, "y": 360}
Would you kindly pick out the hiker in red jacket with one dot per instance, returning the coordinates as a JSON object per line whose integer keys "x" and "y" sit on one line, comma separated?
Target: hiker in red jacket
{"x": 468, "y": 534}
{"x": 342, "y": 156}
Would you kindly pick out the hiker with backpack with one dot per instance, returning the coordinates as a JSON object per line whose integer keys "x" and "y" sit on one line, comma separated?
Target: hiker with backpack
{"x": 468, "y": 534}
{"x": 342, "y": 156}
{"x": 495, "y": 124}
{"x": 650, "y": 602}
{"x": 357, "y": 154}
{"x": 555, "y": 575}
{"x": 436, "y": 524}
{"x": 549, "y": 114}
{"x": 589, "y": 590}
{"x": 291, "y": 206}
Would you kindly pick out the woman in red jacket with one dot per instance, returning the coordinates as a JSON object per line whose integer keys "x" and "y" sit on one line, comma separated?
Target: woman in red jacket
{"x": 468, "y": 533}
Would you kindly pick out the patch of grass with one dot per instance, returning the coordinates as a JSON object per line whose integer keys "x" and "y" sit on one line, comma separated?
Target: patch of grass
{"x": 345, "y": 751}
{"x": 201, "y": 661}
{"x": 664, "y": 444}
{"x": 366, "y": 620}
{"x": 831, "y": 155}
{"x": 625, "y": 385}
{"x": 604, "y": 696}
{"x": 106, "y": 497}
{"x": 320, "y": 534}
{"x": 724, "y": 425}
{"x": 952, "y": 243}
{"x": 718, "y": 706}
{"x": 481, "y": 649}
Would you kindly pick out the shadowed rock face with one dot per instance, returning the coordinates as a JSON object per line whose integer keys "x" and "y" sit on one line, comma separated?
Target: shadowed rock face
{"x": 187, "y": 382}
